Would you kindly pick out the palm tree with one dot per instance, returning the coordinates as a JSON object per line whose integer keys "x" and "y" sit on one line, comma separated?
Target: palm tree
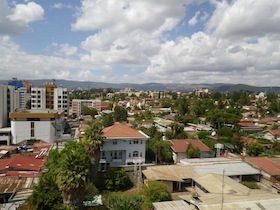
{"x": 92, "y": 142}
{"x": 72, "y": 173}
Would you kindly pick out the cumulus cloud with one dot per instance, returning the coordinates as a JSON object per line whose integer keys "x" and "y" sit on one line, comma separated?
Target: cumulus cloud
{"x": 193, "y": 21}
{"x": 245, "y": 19}
{"x": 65, "y": 49}
{"x": 16, "y": 20}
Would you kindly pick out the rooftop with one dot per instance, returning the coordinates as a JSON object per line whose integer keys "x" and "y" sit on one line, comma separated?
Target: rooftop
{"x": 123, "y": 131}
{"x": 264, "y": 163}
{"x": 182, "y": 144}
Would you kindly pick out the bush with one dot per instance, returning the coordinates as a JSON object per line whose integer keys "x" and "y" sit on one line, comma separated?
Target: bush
{"x": 155, "y": 191}
{"x": 251, "y": 185}
{"x": 122, "y": 201}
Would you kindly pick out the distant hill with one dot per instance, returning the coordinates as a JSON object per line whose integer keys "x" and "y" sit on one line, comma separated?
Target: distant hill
{"x": 216, "y": 87}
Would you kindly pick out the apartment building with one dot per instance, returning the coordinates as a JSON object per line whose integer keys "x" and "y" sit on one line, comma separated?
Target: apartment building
{"x": 9, "y": 102}
{"x": 50, "y": 97}
{"x": 44, "y": 125}
{"x": 77, "y": 105}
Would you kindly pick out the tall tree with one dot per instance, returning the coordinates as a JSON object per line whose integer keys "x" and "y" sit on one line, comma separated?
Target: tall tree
{"x": 92, "y": 142}
{"x": 120, "y": 114}
{"x": 72, "y": 173}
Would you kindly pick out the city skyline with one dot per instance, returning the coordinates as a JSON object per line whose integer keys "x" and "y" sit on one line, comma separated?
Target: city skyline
{"x": 141, "y": 41}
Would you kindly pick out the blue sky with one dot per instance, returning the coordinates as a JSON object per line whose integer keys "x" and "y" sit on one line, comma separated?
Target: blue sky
{"x": 138, "y": 41}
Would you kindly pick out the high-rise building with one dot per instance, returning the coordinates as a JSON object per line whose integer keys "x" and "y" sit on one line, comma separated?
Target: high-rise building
{"x": 61, "y": 100}
{"x": 9, "y": 102}
{"x": 49, "y": 88}
{"x": 50, "y": 97}
{"x": 38, "y": 98}
{"x": 78, "y": 104}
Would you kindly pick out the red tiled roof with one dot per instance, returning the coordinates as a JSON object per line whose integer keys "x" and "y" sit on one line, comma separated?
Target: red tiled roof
{"x": 122, "y": 131}
{"x": 245, "y": 124}
{"x": 182, "y": 144}
{"x": 274, "y": 132}
{"x": 26, "y": 163}
{"x": 266, "y": 165}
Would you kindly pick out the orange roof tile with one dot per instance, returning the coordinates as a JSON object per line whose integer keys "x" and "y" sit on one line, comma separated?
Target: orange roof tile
{"x": 181, "y": 145}
{"x": 266, "y": 165}
{"x": 122, "y": 131}
{"x": 275, "y": 132}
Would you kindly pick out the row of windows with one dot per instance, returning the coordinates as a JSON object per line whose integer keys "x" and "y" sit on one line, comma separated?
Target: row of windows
{"x": 130, "y": 142}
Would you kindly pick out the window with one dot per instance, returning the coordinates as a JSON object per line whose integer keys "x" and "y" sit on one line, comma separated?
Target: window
{"x": 129, "y": 155}
{"x": 115, "y": 142}
{"x": 135, "y": 142}
{"x": 32, "y": 129}
{"x": 135, "y": 154}
{"x": 140, "y": 154}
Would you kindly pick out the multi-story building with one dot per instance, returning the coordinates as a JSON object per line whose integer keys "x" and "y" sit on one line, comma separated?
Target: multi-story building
{"x": 122, "y": 145}
{"x": 77, "y": 105}
{"x": 9, "y": 102}
{"x": 61, "y": 100}
{"x": 49, "y": 88}
{"x": 45, "y": 125}
{"x": 24, "y": 96}
{"x": 38, "y": 98}
{"x": 50, "y": 97}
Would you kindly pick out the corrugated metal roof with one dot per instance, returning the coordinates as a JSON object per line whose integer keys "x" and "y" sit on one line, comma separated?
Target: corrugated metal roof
{"x": 172, "y": 205}
{"x": 231, "y": 169}
{"x": 13, "y": 184}
{"x": 169, "y": 173}
{"x": 265, "y": 164}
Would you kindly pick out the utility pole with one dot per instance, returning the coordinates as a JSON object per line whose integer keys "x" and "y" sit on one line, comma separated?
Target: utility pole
{"x": 223, "y": 185}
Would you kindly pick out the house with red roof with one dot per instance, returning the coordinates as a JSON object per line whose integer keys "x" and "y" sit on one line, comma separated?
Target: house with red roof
{"x": 123, "y": 145}
{"x": 272, "y": 135}
{"x": 269, "y": 167}
{"x": 179, "y": 148}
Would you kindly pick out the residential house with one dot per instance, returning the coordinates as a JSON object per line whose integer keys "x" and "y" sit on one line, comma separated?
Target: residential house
{"x": 123, "y": 145}
{"x": 179, "y": 148}
{"x": 272, "y": 135}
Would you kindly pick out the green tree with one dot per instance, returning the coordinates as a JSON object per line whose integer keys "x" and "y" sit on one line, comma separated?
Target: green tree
{"x": 72, "y": 173}
{"x": 107, "y": 120}
{"x": 47, "y": 186}
{"x": 192, "y": 152}
{"x": 120, "y": 114}
{"x": 89, "y": 111}
{"x": 155, "y": 191}
{"x": 92, "y": 141}
{"x": 182, "y": 106}
{"x": 123, "y": 201}
{"x": 254, "y": 148}
{"x": 116, "y": 179}
{"x": 177, "y": 132}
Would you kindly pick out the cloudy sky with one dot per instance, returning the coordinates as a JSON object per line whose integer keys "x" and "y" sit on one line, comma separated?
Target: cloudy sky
{"x": 139, "y": 41}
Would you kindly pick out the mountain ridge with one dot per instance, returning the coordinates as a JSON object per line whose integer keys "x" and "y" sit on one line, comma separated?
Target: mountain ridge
{"x": 154, "y": 86}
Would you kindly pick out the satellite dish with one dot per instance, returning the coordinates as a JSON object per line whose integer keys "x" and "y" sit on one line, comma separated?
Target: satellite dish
{"x": 213, "y": 133}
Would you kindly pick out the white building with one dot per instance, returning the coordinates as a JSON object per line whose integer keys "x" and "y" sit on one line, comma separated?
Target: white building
{"x": 23, "y": 95}
{"x": 50, "y": 97}
{"x": 123, "y": 145}
{"x": 9, "y": 102}
{"x": 77, "y": 105}
{"x": 45, "y": 125}
{"x": 38, "y": 98}
{"x": 61, "y": 100}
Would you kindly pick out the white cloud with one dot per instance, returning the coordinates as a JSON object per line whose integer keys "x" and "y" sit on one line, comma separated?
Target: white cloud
{"x": 65, "y": 49}
{"x": 245, "y": 19}
{"x": 193, "y": 21}
{"x": 59, "y": 5}
{"x": 27, "y": 13}
{"x": 204, "y": 16}
{"x": 15, "y": 21}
